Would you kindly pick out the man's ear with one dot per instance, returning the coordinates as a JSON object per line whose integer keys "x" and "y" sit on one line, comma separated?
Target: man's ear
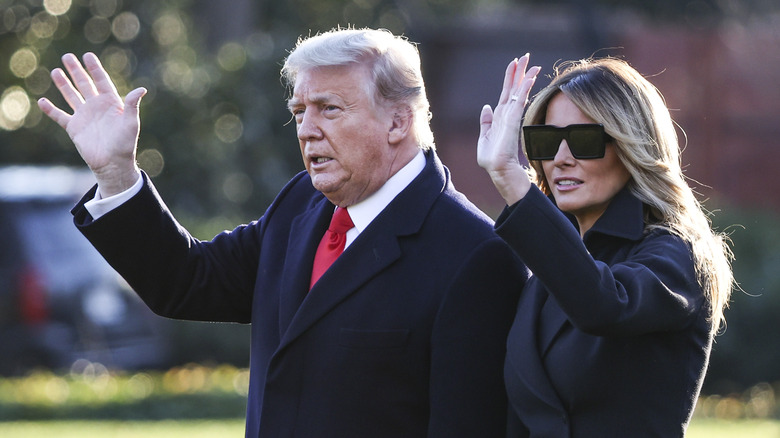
{"x": 401, "y": 126}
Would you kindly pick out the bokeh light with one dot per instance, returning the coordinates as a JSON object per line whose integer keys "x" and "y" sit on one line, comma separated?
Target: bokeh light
{"x": 38, "y": 82}
{"x": 43, "y": 25}
{"x": 175, "y": 75}
{"x": 23, "y": 62}
{"x": 34, "y": 116}
{"x": 118, "y": 61}
{"x": 103, "y": 8}
{"x": 140, "y": 386}
{"x": 201, "y": 83}
{"x": 259, "y": 46}
{"x": 97, "y": 30}
{"x": 14, "y": 107}
{"x": 237, "y": 187}
{"x": 57, "y": 389}
{"x": 63, "y": 27}
{"x": 228, "y": 128}
{"x": 184, "y": 53}
{"x": 16, "y": 18}
{"x": 231, "y": 56}
{"x": 151, "y": 161}
{"x": 126, "y": 26}
{"x": 169, "y": 29}
{"x": 57, "y": 7}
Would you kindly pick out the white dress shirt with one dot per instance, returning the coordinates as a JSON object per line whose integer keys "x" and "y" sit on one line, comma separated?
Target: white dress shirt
{"x": 366, "y": 210}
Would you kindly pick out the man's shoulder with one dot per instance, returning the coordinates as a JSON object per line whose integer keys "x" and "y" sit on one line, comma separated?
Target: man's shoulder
{"x": 457, "y": 206}
{"x": 452, "y": 218}
{"x": 448, "y": 205}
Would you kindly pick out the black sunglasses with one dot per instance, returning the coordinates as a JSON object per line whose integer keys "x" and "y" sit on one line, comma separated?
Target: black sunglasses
{"x": 586, "y": 141}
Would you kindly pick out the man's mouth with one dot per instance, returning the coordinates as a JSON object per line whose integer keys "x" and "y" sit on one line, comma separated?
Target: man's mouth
{"x": 320, "y": 160}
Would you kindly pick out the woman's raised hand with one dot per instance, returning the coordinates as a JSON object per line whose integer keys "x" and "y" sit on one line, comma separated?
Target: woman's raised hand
{"x": 103, "y": 127}
{"x": 499, "y": 132}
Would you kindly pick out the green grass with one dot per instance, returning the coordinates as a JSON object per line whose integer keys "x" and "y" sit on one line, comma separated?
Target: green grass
{"x": 195, "y": 401}
{"x": 123, "y": 429}
{"x": 700, "y": 428}
{"x": 711, "y": 428}
{"x": 183, "y": 393}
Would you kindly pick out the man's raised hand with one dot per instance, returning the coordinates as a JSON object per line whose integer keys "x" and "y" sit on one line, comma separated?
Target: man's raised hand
{"x": 103, "y": 127}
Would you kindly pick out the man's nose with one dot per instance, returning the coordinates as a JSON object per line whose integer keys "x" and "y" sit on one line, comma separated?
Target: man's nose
{"x": 308, "y": 127}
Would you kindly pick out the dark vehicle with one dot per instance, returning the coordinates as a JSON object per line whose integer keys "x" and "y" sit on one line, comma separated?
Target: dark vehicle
{"x": 59, "y": 300}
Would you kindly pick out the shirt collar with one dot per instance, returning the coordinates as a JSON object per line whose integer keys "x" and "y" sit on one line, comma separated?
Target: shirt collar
{"x": 366, "y": 210}
{"x": 624, "y": 217}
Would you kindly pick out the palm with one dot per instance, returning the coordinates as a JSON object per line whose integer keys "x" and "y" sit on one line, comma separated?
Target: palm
{"x": 101, "y": 132}
{"x": 499, "y": 133}
{"x": 103, "y": 127}
{"x": 497, "y": 148}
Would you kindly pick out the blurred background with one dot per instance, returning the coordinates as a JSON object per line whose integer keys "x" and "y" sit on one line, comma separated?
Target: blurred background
{"x": 216, "y": 140}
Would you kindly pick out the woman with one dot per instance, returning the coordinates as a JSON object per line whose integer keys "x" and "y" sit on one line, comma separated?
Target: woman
{"x": 613, "y": 332}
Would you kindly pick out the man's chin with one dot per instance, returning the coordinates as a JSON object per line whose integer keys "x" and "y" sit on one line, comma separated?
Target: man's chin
{"x": 327, "y": 187}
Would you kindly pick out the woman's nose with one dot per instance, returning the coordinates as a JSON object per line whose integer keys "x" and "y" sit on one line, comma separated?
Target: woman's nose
{"x": 563, "y": 156}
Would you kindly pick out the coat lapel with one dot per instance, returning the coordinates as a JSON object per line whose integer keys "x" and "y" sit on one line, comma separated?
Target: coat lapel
{"x": 306, "y": 231}
{"x": 525, "y": 358}
{"x": 372, "y": 252}
{"x": 351, "y": 270}
{"x": 551, "y": 323}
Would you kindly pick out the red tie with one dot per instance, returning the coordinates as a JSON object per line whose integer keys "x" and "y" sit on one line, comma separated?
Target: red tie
{"x": 332, "y": 243}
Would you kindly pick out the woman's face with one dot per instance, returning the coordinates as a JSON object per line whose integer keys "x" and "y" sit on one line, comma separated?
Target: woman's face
{"x": 582, "y": 188}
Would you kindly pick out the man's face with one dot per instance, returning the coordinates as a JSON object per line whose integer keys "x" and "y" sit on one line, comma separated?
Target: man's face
{"x": 343, "y": 135}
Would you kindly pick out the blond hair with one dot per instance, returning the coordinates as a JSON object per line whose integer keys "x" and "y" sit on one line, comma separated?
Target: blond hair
{"x": 635, "y": 115}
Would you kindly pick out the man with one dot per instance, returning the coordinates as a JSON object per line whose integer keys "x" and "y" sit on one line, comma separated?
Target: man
{"x": 404, "y": 334}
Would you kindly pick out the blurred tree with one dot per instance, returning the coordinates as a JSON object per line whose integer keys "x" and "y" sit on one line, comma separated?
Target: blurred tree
{"x": 747, "y": 352}
{"x": 215, "y": 133}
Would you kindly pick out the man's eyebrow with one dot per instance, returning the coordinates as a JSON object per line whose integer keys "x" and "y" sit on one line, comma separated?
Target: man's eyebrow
{"x": 292, "y": 103}
{"x": 316, "y": 100}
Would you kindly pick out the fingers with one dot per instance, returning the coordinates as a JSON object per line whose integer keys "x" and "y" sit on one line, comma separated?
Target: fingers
{"x": 102, "y": 81}
{"x": 133, "y": 98}
{"x": 133, "y": 101}
{"x": 508, "y": 80}
{"x": 57, "y": 115}
{"x": 523, "y": 80}
{"x": 61, "y": 81}
{"x": 485, "y": 120}
{"x": 522, "y": 64}
{"x": 81, "y": 79}
{"x": 83, "y": 83}
{"x": 517, "y": 81}
{"x": 527, "y": 83}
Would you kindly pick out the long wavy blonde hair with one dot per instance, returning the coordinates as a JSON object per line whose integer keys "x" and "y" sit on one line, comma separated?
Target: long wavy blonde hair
{"x": 635, "y": 115}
